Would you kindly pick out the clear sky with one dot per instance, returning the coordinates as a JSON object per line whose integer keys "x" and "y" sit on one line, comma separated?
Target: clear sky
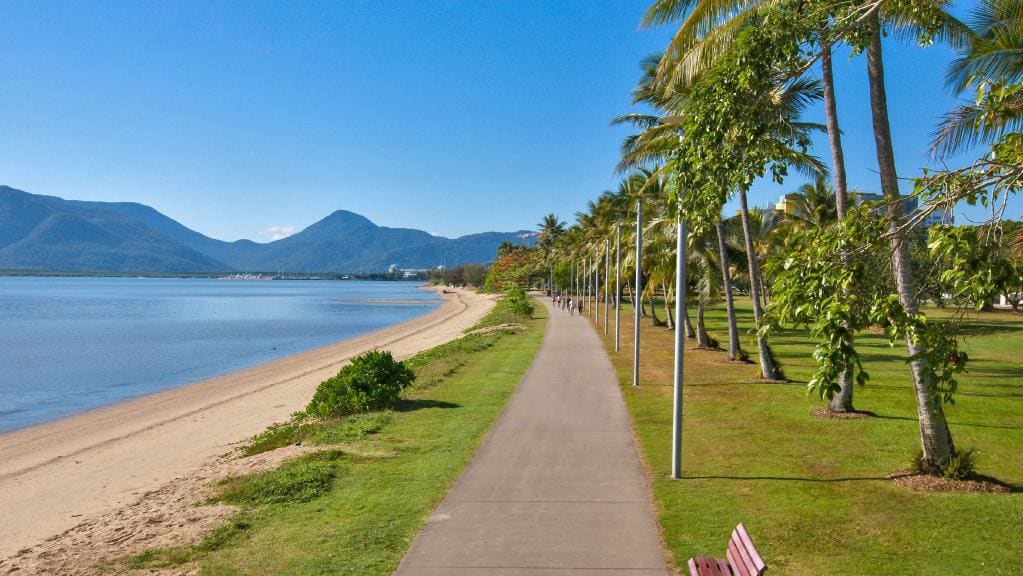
{"x": 243, "y": 120}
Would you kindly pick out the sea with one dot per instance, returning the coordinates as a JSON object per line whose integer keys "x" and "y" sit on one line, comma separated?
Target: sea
{"x": 70, "y": 344}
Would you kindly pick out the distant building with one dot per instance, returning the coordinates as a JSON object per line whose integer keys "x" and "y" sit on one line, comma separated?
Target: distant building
{"x": 910, "y": 209}
{"x": 393, "y": 269}
{"x": 786, "y": 204}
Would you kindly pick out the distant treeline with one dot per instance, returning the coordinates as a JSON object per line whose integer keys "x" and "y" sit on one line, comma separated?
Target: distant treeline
{"x": 254, "y": 275}
{"x": 465, "y": 275}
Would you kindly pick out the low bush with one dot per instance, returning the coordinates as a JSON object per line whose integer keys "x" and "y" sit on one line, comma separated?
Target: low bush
{"x": 961, "y": 466}
{"x": 518, "y": 303}
{"x": 514, "y": 307}
{"x": 372, "y": 381}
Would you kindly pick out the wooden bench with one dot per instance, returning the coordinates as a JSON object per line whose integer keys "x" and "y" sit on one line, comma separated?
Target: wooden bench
{"x": 742, "y": 559}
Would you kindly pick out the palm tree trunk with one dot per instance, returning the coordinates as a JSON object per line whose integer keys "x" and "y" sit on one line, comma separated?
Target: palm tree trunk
{"x": 702, "y": 339}
{"x": 733, "y": 328}
{"x": 767, "y": 368}
{"x": 834, "y": 133}
{"x": 667, "y": 308}
{"x": 935, "y": 436}
{"x": 843, "y": 400}
{"x": 653, "y": 310}
{"x": 688, "y": 324}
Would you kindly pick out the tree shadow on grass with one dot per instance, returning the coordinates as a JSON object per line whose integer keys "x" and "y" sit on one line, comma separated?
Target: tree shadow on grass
{"x": 953, "y": 424}
{"x": 413, "y": 405}
{"x": 987, "y": 328}
{"x": 790, "y": 478}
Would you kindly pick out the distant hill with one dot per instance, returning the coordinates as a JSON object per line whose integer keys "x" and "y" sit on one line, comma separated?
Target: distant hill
{"x": 53, "y": 234}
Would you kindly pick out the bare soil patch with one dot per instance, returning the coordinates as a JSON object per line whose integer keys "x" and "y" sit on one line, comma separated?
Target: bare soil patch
{"x": 851, "y": 415}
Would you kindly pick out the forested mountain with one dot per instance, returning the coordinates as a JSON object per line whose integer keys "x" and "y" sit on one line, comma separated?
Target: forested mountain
{"x": 53, "y": 234}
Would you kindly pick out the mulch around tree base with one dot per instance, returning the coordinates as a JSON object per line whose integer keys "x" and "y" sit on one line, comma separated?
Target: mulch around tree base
{"x": 727, "y": 361}
{"x": 928, "y": 483}
{"x": 759, "y": 380}
{"x": 851, "y": 415}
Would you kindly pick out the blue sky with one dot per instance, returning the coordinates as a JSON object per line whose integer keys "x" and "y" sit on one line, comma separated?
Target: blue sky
{"x": 452, "y": 117}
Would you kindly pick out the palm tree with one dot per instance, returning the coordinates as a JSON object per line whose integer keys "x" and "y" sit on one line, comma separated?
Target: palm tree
{"x": 550, "y": 229}
{"x": 734, "y": 349}
{"x": 814, "y": 204}
{"x": 991, "y": 59}
{"x": 658, "y": 139}
{"x": 935, "y": 436}
{"x": 708, "y": 29}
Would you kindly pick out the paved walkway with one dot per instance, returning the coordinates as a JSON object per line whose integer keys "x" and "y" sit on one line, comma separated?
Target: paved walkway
{"x": 556, "y": 488}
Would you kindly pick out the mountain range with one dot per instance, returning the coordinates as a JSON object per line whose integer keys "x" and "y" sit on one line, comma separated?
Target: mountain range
{"x": 47, "y": 233}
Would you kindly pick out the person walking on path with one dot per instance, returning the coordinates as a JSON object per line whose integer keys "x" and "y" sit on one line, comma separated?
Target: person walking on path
{"x": 571, "y": 307}
{"x": 557, "y": 488}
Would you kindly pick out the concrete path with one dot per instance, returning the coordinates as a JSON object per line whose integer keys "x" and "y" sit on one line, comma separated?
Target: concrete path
{"x": 557, "y": 487}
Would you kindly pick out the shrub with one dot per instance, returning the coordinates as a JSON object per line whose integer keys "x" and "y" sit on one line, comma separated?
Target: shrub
{"x": 372, "y": 381}
{"x": 962, "y": 465}
{"x": 518, "y": 303}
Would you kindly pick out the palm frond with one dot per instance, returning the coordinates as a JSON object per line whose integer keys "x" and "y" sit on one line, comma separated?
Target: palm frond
{"x": 967, "y": 125}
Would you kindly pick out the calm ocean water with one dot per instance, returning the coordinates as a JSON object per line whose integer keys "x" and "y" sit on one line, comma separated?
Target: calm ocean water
{"x": 71, "y": 344}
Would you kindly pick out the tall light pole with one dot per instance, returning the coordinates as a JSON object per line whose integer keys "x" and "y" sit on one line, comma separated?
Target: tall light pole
{"x": 586, "y": 283}
{"x": 680, "y": 298}
{"x": 618, "y": 285}
{"x": 607, "y": 277}
{"x": 637, "y": 298}
{"x": 596, "y": 289}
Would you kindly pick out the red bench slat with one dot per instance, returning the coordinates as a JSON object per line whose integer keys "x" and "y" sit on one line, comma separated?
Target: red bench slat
{"x": 742, "y": 563}
{"x": 756, "y": 563}
{"x": 742, "y": 559}
{"x": 707, "y": 566}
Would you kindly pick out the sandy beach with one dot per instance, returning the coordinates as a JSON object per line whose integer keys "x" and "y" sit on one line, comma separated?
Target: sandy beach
{"x": 77, "y": 471}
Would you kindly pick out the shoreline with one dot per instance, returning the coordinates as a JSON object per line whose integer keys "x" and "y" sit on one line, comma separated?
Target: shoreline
{"x": 163, "y": 376}
{"x": 55, "y": 475}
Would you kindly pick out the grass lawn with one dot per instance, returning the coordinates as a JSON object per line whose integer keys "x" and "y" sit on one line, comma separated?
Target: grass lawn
{"x": 813, "y": 492}
{"x": 355, "y": 508}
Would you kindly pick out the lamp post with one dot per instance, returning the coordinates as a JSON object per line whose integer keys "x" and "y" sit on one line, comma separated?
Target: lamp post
{"x": 607, "y": 276}
{"x": 680, "y": 298}
{"x": 586, "y": 283}
{"x": 637, "y": 298}
{"x": 618, "y": 285}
